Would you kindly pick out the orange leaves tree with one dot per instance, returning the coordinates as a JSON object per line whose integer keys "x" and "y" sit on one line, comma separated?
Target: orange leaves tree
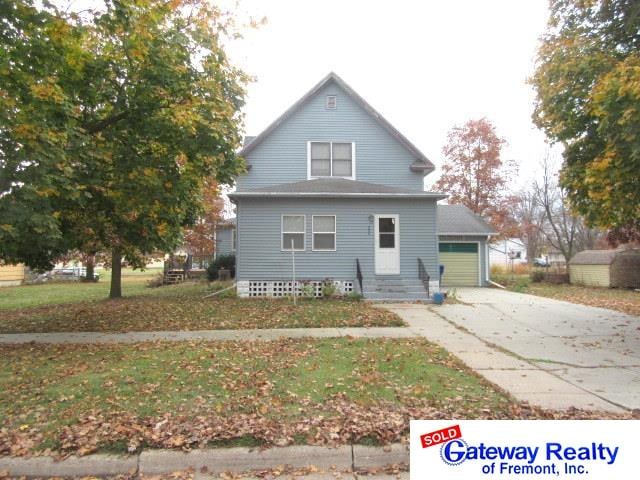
{"x": 113, "y": 123}
{"x": 199, "y": 239}
{"x": 474, "y": 173}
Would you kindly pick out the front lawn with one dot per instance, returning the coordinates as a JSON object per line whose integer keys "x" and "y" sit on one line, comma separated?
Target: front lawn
{"x": 622, "y": 300}
{"x": 83, "y": 398}
{"x": 182, "y": 307}
{"x": 84, "y": 307}
{"x": 134, "y": 282}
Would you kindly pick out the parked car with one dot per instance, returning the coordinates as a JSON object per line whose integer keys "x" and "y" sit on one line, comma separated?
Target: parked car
{"x": 541, "y": 262}
{"x": 73, "y": 273}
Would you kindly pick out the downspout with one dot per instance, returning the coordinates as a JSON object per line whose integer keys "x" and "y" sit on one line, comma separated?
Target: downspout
{"x": 486, "y": 259}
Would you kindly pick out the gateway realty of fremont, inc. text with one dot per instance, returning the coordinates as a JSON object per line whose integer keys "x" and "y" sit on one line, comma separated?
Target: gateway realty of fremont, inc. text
{"x": 457, "y": 451}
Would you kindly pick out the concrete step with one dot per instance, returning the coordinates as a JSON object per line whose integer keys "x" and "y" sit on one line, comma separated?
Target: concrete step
{"x": 396, "y": 295}
{"x": 409, "y": 286}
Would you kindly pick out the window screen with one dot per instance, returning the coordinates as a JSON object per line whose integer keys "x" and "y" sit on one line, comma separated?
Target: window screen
{"x": 293, "y": 231}
{"x": 324, "y": 232}
{"x": 341, "y": 159}
{"x": 329, "y": 159}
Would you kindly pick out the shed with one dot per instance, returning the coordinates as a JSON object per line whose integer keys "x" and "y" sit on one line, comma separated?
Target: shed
{"x": 606, "y": 268}
{"x": 11, "y": 275}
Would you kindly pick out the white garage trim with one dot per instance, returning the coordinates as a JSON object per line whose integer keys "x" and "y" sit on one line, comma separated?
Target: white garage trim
{"x": 486, "y": 258}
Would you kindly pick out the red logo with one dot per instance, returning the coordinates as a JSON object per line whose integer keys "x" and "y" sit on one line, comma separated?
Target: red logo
{"x": 440, "y": 436}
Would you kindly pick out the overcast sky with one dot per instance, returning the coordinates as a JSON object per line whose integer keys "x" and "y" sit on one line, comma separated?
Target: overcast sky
{"x": 425, "y": 65}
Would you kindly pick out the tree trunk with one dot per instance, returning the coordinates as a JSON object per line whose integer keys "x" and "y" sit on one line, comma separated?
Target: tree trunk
{"x": 116, "y": 271}
{"x": 89, "y": 264}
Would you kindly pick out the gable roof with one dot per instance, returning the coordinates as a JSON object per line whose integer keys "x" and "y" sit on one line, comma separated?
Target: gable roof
{"x": 594, "y": 257}
{"x": 459, "y": 220}
{"x": 421, "y": 163}
{"x": 335, "y": 187}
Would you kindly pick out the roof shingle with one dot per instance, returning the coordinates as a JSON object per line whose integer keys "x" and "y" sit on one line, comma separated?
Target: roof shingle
{"x": 459, "y": 220}
{"x": 335, "y": 187}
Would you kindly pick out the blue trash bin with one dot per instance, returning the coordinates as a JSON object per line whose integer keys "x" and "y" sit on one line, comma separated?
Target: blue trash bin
{"x": 438, "y": 298}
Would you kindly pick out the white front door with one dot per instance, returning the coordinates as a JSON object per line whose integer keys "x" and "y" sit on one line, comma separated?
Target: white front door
{"x": 387, "y": 247}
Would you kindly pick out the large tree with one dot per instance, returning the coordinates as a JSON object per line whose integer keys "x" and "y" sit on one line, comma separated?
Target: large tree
{"x": 474, "y": 173}
{"x": 587, "y": 81}
{"x": 113, "y": 121}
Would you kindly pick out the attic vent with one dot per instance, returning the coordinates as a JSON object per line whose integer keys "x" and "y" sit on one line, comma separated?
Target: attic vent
{"x": 332, "y": 101}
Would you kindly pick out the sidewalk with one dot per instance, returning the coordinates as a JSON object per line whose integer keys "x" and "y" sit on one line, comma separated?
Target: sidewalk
{"x": 205, "y": 463}
{"x": 207, "y": 335}
{"x": 524, "y": 380}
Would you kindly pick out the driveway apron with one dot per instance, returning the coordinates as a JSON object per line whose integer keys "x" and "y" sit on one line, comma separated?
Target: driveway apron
{"x": 551, "y": 353}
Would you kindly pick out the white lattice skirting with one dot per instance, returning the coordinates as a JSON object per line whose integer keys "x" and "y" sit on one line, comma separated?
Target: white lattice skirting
{"x": 277, "y": 288}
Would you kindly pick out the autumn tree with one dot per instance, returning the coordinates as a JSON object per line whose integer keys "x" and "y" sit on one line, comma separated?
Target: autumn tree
{"x": 474, "y": 173}
{"x": 529, "y": 217}
{"x": 199, "y": 239}
{"x": 587, "y": 82}
{"x": 112, "y": 123}
{"x": 546, "y": 220}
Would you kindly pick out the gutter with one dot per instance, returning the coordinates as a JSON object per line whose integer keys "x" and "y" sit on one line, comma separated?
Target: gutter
{"x": 236, "y": 195}
{"x": 468, "y": 234}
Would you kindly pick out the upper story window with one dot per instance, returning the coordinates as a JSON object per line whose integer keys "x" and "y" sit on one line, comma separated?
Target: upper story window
{"x": 332, "y": 159}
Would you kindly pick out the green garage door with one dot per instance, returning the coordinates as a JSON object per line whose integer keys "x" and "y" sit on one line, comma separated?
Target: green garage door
{"x": 460, "y": 262}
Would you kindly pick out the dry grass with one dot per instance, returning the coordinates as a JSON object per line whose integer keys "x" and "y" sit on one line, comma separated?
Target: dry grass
{"x": 82, "y": 398}
{"x": 622, "y": 300}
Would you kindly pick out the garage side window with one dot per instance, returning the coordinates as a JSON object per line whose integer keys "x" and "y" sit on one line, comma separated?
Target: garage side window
{"x": 293, "y": 232}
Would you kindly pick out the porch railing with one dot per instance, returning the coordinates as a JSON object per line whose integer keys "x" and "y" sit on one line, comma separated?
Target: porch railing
{"x": 359, "y": 275}
{"x": 423, "y": 276}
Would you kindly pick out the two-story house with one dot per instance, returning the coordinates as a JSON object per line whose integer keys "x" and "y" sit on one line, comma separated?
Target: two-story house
{"x": 334, "y": 190}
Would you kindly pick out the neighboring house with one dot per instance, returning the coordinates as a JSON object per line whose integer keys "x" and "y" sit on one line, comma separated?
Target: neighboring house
{"x": 226, "y": 238}
{"x": 11, "y": 275}
{"x": 606, "y": 268}
{"x": 555, "y": 258}
{"x": 332, "y": 183}
{"x": 507, "y": 252}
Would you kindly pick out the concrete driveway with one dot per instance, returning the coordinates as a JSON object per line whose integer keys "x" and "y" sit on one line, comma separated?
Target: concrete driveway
{"x": 549, "y": 352}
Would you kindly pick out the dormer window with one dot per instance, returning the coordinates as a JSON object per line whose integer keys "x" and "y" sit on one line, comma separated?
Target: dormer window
{"x": 331, "y": 159}
{"x": 331, "y": 102}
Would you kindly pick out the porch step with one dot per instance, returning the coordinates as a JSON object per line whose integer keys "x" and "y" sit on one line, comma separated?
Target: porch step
{"x": 397, "y": 297}
{"x": 395, "y": 289}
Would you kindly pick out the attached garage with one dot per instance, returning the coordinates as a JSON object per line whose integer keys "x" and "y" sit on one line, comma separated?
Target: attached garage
{"x": 461, "y": 262}
{"x": 462, "y": 247}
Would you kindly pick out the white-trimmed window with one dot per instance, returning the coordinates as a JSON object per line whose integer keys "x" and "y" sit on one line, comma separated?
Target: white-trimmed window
{"x": 234, "y": 240}
{"x": 293, "y": 229}
{"x": 332, "y": 159}
{"x": 324, "y": 232}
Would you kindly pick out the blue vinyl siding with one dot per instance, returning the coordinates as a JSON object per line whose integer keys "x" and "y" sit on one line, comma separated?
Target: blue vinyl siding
{"x": 259, "y": 238}
{"x": 282, "y": 157}
{"x": 223, "y": 241}
{"x": 482, "y": 242}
